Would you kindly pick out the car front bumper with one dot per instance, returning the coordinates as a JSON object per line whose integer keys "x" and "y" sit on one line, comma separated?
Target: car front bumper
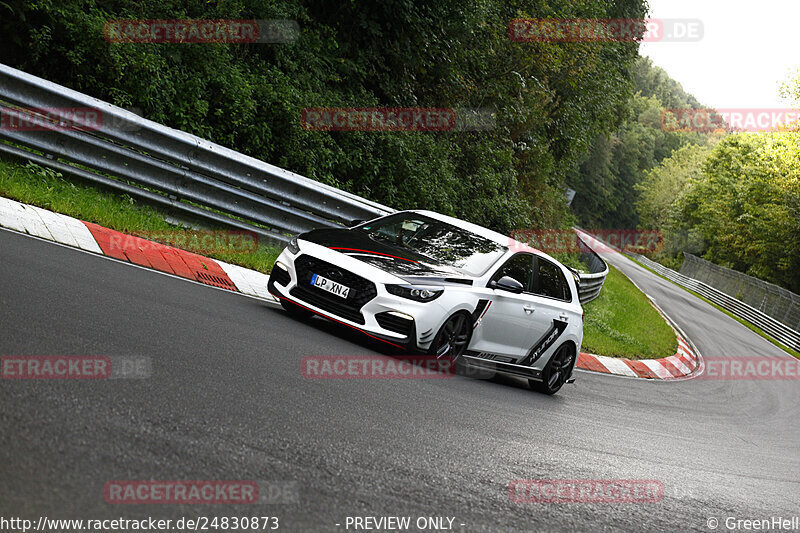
{"x": 424, "y": 318}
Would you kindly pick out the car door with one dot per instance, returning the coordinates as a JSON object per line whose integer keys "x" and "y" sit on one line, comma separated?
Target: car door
{"x": 550, "y": 297}
{"x": 506, "y": 328}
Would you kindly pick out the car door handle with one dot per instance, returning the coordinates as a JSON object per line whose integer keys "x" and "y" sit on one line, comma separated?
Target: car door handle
{"x": 563, "y": 317}
{"x": 529, "y": 308}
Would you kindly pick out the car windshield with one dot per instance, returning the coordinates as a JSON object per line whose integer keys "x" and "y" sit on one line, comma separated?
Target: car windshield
{"x": 441, "y": 242}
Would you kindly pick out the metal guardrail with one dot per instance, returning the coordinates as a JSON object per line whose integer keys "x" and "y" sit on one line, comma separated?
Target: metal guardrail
{"x": 590, "y": 286}
{"x": 781, "y": 304}
{"x": 151, "y": 162}
{"x": 592, "y": 283}
{"x": 769, "y": 325}
{"x": 191, "y": 177}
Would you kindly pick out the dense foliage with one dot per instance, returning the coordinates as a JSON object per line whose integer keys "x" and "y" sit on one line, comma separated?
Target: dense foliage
{"x": 737, "y": 204}
{"x": 552, "y": 100}
{"x": 733, "y": 199}
{"x": 606, "y": 181}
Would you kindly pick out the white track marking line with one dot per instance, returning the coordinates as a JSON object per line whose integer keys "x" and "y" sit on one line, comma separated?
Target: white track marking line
{"x": 56, "y": 226}
{"x": 30, "y": 221}
{"x": 616, "y": 366}
{"x": 47, "y": 225}
{"x": 9, "y": 215}
{"x": 82, "y": 235}
{"x": 258, "y": 282}
{"x": 677, "y": 363}
{"x": 236, "y": 273}
{"x": 248, "y": 281}
{"x": 34, "y": 223}
{"x": 657, "y": 368}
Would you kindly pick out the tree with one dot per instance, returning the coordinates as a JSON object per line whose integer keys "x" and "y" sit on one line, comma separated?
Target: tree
{"x": 746, "y": 206}
{"x": 550, "y": 100}
{"x": 606, "y": 181}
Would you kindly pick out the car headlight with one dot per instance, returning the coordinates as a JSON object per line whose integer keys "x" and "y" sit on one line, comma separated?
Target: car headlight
{"x": 293, "y": 247}
{"x": 413, "y": 292}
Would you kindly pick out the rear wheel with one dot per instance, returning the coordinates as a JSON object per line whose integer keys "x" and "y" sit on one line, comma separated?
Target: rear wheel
{"x": 556, "y": 372}
{"x": 453, "y": 337}
{"x": 296, "y": 311}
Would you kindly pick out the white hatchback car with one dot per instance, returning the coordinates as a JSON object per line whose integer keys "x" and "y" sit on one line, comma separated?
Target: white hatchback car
{"x": 429, "y": 283}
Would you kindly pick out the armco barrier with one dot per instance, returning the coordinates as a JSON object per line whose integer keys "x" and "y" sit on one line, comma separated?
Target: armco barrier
{"x": 592, "y": 283}
{"x": 223, "y": 186}
{"x": 185, "y": 174}
{"x": 779, "y": 303}
{"x": 771, "y": 326}
{"x": 590, "y": 286}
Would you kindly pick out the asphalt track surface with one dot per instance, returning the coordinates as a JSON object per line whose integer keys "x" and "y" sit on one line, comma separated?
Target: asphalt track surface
{"x": 226, "y": 400}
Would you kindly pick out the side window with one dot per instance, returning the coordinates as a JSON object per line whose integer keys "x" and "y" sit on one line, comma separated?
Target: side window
{"x": 549, "y": 281}
{"x": 519, "y": 267}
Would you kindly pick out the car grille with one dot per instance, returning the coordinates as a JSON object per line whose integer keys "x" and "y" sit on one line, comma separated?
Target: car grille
{"x": 394, "y": 323}
{"x": 361, "y": 289}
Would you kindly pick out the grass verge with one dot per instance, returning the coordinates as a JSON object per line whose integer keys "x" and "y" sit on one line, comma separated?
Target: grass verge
{"x": 48, "y": 189}
{"x": 621, "y": 322}
{"x": 742, "y": 321}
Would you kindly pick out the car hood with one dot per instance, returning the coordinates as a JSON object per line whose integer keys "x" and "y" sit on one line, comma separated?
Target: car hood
{"x": 398, "y": 261}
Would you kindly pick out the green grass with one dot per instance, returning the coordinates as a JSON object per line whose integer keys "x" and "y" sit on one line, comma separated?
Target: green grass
{"x": 46, "y": 188}
{"x": 745, "y": 323}
{"x": 621, "y": 322}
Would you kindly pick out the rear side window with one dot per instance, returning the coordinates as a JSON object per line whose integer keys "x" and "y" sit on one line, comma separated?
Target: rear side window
{"x": 550, "y": 281}
{"x": 519, "y": 267}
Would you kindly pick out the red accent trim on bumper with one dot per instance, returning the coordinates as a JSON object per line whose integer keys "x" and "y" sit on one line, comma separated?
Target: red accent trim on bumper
{"x": 339, "y": 321}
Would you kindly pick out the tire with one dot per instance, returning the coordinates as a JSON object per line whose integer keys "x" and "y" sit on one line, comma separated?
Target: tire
{"x": 296, "y": 311}
{"x": 557, "y": 371}
{"x": 452, "y": 338}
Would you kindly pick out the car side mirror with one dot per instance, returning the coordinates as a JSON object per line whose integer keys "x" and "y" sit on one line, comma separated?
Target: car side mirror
{"x": 356, "y": 222}
{"x": 507, "y": 283}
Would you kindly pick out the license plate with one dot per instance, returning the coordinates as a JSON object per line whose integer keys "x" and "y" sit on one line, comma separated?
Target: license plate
{"x": 329, "y": 285}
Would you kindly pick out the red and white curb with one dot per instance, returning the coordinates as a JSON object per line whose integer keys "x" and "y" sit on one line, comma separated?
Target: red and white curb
{"x": 90, "y": 237}
{"x": 685, "y": 363}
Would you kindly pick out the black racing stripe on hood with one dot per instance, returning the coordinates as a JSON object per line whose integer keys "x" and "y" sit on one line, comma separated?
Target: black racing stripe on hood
{"x": 395, "y": 260}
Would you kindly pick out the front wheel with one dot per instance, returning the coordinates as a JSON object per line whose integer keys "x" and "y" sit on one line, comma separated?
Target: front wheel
{"x": 556, "y": 372}
{"x": 453, "y": 337}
